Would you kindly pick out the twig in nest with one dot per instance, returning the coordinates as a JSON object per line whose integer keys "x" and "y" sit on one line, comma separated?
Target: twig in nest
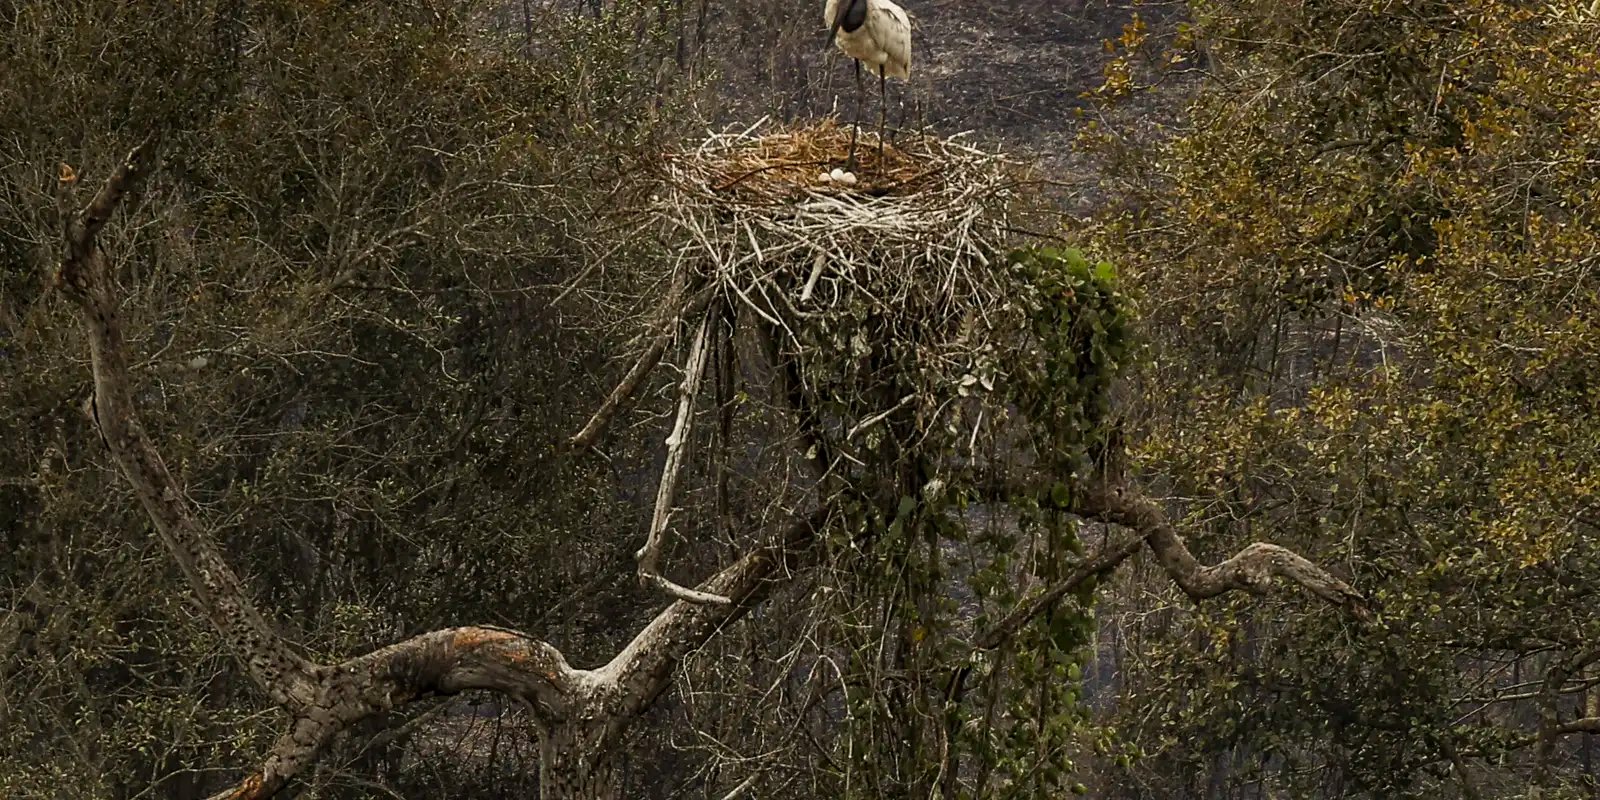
{"x": 816, "y": 273}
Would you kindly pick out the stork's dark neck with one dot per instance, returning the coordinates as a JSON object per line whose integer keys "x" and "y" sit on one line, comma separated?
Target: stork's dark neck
{"x": 852, "y": 15}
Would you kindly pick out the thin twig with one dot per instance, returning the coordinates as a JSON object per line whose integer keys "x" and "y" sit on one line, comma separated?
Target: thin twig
{"x": 647, "y": 362}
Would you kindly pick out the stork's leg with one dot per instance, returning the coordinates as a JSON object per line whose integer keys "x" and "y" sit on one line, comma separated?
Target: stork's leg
{"x": 905, "y": 110}
{"x": 850, "y": 164}
{"x": 883, "y": 111}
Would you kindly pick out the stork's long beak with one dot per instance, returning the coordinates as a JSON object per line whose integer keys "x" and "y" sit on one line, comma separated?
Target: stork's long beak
{"x": 838, "y": 22}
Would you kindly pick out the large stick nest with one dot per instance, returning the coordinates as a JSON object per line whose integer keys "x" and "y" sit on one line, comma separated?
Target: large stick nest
{"x": 900, "y": 301}
{"x": 893, "y": 295}
{"x": 921, "y": 234}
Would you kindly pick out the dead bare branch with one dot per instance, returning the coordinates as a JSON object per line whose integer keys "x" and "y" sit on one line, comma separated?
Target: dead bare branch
{"x": 325, "y": 700}
{"x": 649, "y": 556}
{"x": 85, "y": 276}
{"x": 1251, "y": 570}
{"x": 648, "y": 360}
{"x": 644, "y": 668}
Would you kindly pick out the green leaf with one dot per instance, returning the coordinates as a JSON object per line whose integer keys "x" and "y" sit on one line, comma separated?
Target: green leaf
{"x": 1061, "y": 495}
{"x": 1105, "y": 272}
{"x": 908, "y": 504}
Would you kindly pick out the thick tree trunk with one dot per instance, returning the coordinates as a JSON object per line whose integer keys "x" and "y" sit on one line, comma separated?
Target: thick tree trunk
{"x": 576, "y": 763}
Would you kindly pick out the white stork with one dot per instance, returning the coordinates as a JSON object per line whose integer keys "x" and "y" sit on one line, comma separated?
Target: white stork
{"x": 876, "y": 33}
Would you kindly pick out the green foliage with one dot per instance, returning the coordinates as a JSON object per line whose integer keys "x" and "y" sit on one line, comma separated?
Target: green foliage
{"x": 1372, "y": 339}
{"x": 1080, "y": 325}
{"x": 921, "y": 542}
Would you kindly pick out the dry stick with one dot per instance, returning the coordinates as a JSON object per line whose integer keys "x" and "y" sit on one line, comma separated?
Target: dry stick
{"x": 647, "y": 362}
{"x": 649, "y": 556}
{"x": 816, "y": 273}
{"x": 739, "y": 790}
{"x": 879, "y": 417}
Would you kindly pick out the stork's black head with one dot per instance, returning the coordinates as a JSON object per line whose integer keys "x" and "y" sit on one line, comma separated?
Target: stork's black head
{"x": 851, "y": 16}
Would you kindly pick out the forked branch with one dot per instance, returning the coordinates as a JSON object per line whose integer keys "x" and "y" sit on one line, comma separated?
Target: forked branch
{"x": 629, "y": 386}
{"x": 645, "y": 667}
{"x": 1252, "y": 570}
{"x": 85, "y": 276}
{"x": 326, "y": 700}
{"x": 441, "y": 662}
{"x": 323, "y": 700}
{"x": 649, "y": 556}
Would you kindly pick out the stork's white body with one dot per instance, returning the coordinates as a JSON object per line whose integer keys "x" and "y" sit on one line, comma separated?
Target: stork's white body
{"x": 882, "y": 43}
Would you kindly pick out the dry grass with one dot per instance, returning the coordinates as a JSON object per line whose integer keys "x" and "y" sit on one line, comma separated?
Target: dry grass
{"x": 784, "y": 163}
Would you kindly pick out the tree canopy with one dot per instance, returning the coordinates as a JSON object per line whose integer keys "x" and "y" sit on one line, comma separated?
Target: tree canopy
{"x": 1367, "y": 249}
{"x": 415, "y": 400}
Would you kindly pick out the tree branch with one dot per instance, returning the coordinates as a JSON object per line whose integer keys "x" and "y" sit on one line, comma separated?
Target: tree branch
{"x": 443, "y": 662}
{"x": 1582, "y": 725}
{"x": 1551, "y": 726}
{"x": 999, "y": 633}
{"x": 1106, "y": 561}
{"x": 645, "y": 667}
{"x": 649, "y": 556}
{"x": 648, "y": 360}
{"x": 85, "y": 276}
{"x": 325, "y": 700}
{"x": 1251, "y": 570}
